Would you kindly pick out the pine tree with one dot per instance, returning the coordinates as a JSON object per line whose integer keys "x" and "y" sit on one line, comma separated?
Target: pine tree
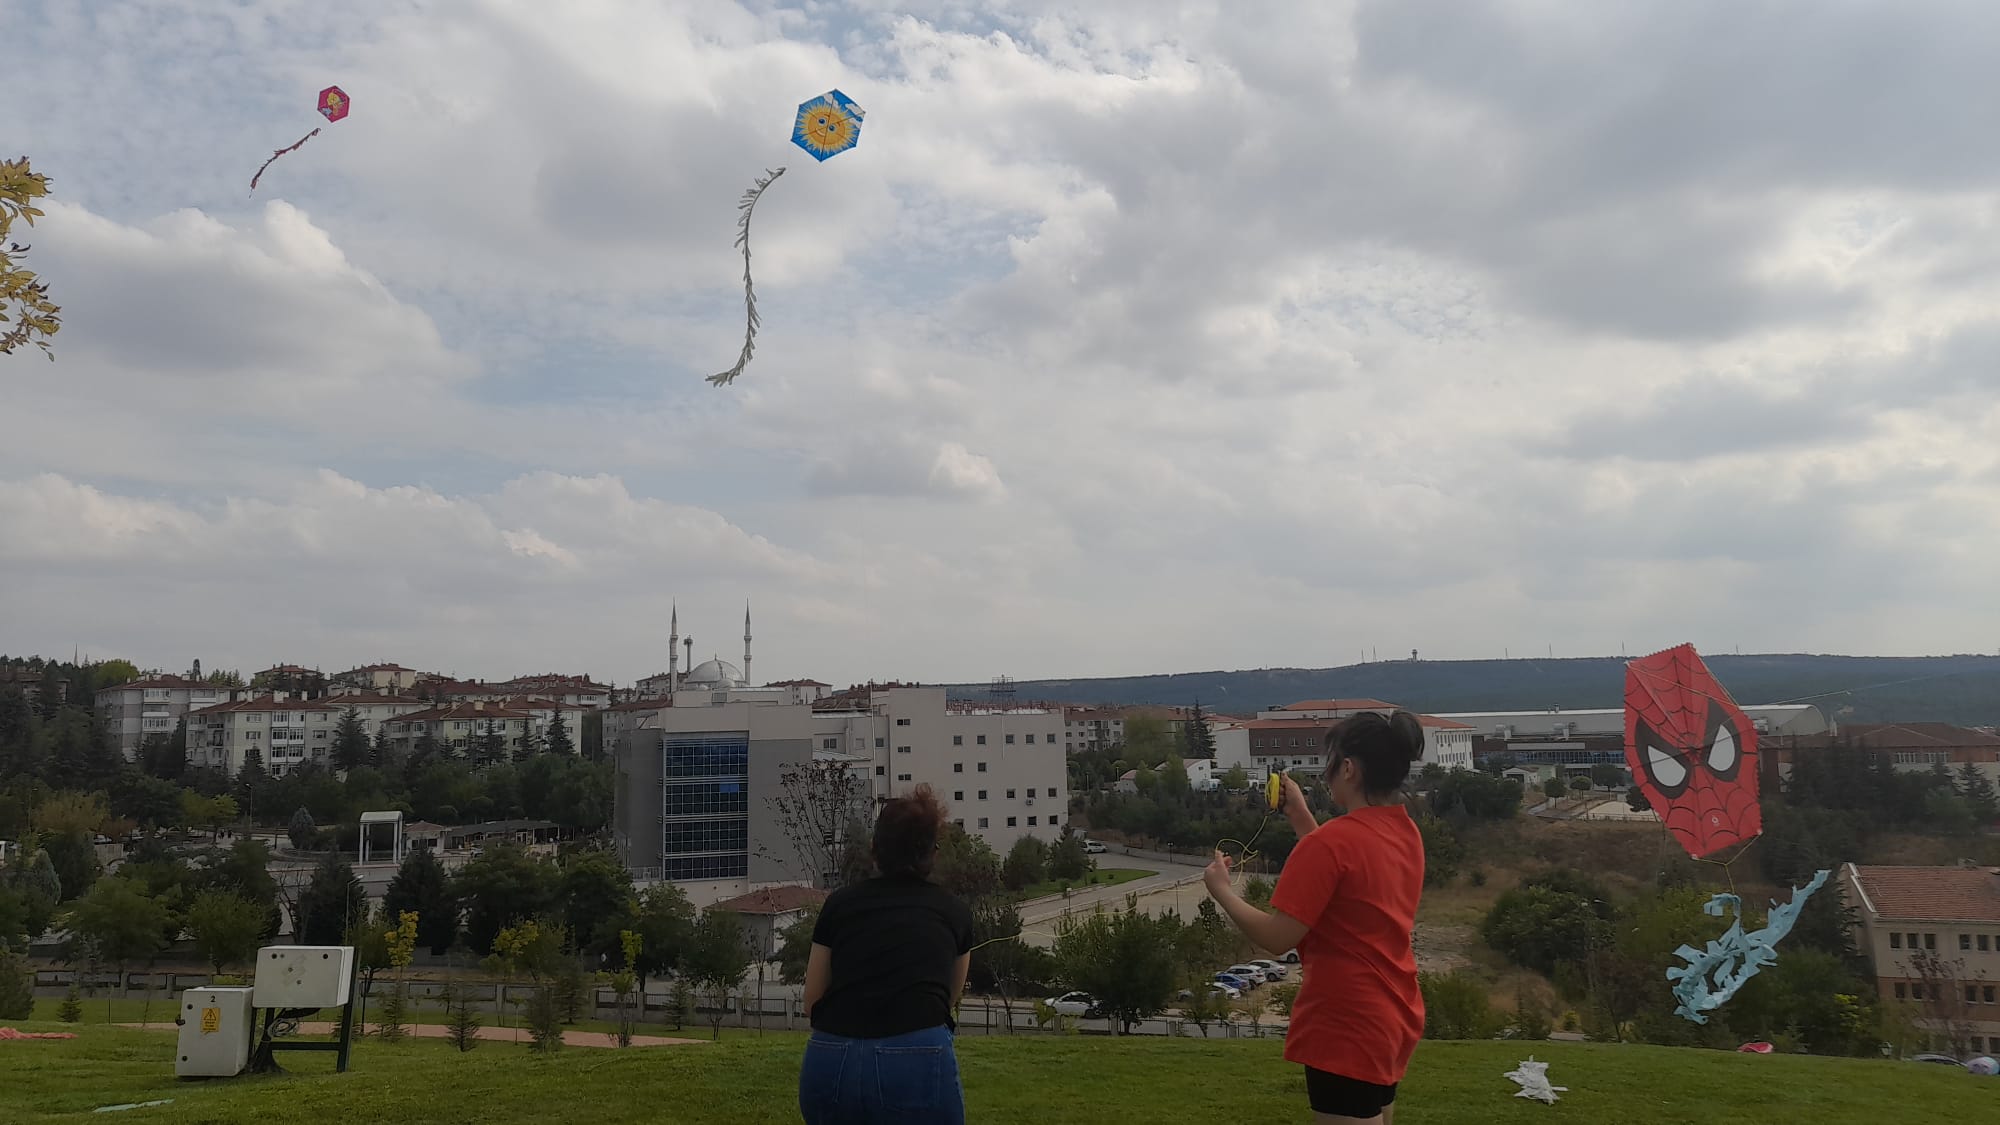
{"x": 251, "y": 779}
{"x": 558, "y": 740}
{"x": 350, "y": 742}
{"x": 460, "y": 1016}
{"x": 17, "y": 993}
{"x": 381, "y": 755}
{"x": 333, "y": 904}
{"x": 1979, "y": 792}
{"x": 302, "y": 829}
{"x": 1200, "y": 739}
{"x": 422, "y": 887}
{"x": 71, "y": 1010}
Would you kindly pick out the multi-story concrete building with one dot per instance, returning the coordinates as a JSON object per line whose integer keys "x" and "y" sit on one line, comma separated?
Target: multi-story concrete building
{"x": 1294, "y": 737}
{"x": 389, "y": 679}
{"x": 1907, "y": 747}
{"x": 152, "y": 704}
{"x": 459, "y": 726}
{"x": 374, "y": 708}
{"x": 1002, "y": 772}
{"x": 286, "y": 733}
{"x": 1946, "y": 919}
{"x": 573, "y": 692}
{"x": 1101, "y": 728}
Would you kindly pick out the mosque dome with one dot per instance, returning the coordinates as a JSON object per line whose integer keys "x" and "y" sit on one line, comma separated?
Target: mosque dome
{"x": 713, "y": 674}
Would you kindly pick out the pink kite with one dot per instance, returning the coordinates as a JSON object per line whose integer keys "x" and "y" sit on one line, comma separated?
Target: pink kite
{"x": 333, "y": 105}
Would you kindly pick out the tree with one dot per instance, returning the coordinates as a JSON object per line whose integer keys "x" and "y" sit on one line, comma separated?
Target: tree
{"x": 461, "y": 1018}
{"x": 665, "y": 927}
{"x": 1127, "y": 960}
{"x": 716, "y": 959}
{"x": 226, "y": 927}
{"x": 1147, "y": 743}
{"x": 1067, "y": 859}
{"x": 1636, "y": 799}
{"x": 1579, "y": 784}
{"x": 1026, "y": 864}
{"x": 625, "y": 981}
{"x": 1235, "y": 779}
{"x": 1606, "y": 776}
{"x": 1540, "y": 927}
{"x": 382, "y": 755}
{"x": 1941, "y": 996}
{"x": 118, "y": 923}
{"x": 1979, "y": 793}
{"x": 817, "y": 807}
{"x": 17, "y": 986}
{"x": 535, "y": 951}
{"x": 350, "y": 741}
{"x": 557, "y": 740}
{"x": 302, "y": 830}
{"x": 79, "y": 753}
{"x": 71, "y": 1010}
{"x": 527, "y": 747}
{"x": 1196, "y": 733}
{"x": 502, "y": 886}
{"x": 795, "y": 946}
{"x": 421, "y": 887}
{"x": 489, "y": 746}
{"x": 1443, "y": 851}
{"x": 33, "y": 314}
{"x": 401, "y": 945}
{"x": 332, "y": 905}
{"x": 1554, "y": 789}
{"x": 597, "y": 901}
{"x": 251, "y": 778}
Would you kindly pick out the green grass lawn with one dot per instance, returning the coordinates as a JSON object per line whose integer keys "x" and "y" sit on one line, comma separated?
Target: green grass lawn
{"x": 1046, "y": 1080}
{"x": 1107, "y": 878}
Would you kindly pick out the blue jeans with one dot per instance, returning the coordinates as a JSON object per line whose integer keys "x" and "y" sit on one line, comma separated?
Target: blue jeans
{"x": 904, "y": 1078}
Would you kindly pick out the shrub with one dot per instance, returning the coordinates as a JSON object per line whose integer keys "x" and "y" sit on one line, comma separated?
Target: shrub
{"x": 1455, "y": 1006}
{"x": 17, "y": 992}
{"x": 72, "y": 1006}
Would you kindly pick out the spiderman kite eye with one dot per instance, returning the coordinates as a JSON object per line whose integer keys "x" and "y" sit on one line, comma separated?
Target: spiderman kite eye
{"x": 1666, "y": 769}
{"x": 1722, "y": 755}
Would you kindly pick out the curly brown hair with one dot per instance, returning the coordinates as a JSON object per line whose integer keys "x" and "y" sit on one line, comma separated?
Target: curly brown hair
{"x": 906, "y": 833}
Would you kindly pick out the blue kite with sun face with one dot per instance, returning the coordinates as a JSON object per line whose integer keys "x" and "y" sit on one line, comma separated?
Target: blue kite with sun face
{"x": 827, "y": 125}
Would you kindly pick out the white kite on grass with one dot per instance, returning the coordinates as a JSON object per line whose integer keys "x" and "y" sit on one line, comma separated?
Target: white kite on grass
{"x": 1533, "y": 1078}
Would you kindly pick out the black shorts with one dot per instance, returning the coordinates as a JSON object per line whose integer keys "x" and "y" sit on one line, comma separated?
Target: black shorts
{"x": 1346, "y": 1097}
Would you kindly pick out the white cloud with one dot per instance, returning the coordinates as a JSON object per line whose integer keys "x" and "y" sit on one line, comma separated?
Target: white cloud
{"x": 1132, "y": 337}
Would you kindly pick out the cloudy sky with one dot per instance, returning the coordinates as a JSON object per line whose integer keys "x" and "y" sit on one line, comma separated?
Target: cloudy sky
{"x": 1135, "y": 336}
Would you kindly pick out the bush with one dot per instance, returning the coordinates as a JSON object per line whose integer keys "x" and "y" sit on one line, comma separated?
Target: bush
{"x": 545, "y": 1019}
{"x": 72, "y": 1006}
{"x": 1284, "y": 996}
{"x": 1477, "y": 877}
{"x": 1531, "y": 1017}
{"x": 391, "y": 1023}
{"x": 1455, "y": 1006}
{"x": 460, "y": 1017}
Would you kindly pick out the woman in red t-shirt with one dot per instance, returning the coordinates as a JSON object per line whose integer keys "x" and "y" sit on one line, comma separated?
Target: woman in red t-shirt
{"x": 1347, "y": 901}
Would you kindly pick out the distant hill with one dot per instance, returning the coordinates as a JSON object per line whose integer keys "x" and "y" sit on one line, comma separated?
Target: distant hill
{"x": 1850, "y": 689}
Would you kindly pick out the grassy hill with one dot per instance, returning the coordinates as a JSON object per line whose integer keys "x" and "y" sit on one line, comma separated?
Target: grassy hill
{"x": 1045, "y": 1080}
{"x": 1859, "y": 689}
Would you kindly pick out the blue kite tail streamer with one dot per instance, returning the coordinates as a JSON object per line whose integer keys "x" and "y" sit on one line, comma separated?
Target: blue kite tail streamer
{"x": 1711, "y": 976}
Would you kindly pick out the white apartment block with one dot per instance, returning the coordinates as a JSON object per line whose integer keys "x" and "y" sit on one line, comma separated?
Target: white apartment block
{"x": 152, "y": 705}
{"x": 1951, "y": 914}
{"x": 384, "y": 678}
{"x": 285, "y": 732}
{"x": 1294, "y": 737}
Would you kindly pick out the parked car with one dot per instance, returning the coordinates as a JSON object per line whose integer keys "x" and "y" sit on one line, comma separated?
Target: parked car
{"x": 1947, "y": 1060}
{"x": 1273, "y": 970}
{"x": 1291, "y": 957}
{"x": 1252, "y": 973}
{"x": 1213, "y": 990}
{"x": 1074, "y": 1004}
{"x": 1092, "y": 847}
{"x": 1232, "y": 980}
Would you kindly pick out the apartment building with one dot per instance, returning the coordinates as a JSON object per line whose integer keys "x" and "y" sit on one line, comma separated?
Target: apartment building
{"x": 1907, "y": 747}
{"x": 1948, "y": 917}
{"x": 460, "y": 725}
{"x": 1001, "y": 771}
{"x": 1101, "y": 728}
{"x": 152, "y": 705}
{"x": 286, "y": 733}
{"x": 389, "y": 679}
{"x": 1294, "y": 737}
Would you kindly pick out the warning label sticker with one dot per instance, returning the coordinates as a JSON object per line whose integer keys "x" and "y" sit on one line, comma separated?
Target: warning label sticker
{"x": 211, "y": 1020}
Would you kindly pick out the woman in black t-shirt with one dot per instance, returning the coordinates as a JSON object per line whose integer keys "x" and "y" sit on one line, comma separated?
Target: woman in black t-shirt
{"x": 889, "y": 958}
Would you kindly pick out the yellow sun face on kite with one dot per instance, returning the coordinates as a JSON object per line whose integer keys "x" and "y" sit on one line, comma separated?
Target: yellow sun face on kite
{"x": 826, "y": 128}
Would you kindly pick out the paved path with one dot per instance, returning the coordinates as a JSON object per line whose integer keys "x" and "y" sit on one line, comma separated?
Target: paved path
{"x": 1038, "y": 917}
{"x": 491, "y": 1034}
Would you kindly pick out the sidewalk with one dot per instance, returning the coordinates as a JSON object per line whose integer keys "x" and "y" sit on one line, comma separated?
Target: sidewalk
{"x": 487, "y": 1034}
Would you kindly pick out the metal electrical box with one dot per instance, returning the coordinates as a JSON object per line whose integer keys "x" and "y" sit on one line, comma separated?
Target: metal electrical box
{"x": 304, "y": 976}
{"x": 216, "y": 1026}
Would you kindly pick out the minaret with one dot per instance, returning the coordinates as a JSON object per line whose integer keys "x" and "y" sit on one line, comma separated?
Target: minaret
{"x": 747, "y": 681}
{"x": 673, "y": 649}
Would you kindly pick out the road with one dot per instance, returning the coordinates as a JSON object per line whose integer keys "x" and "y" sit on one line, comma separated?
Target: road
{"x": 1170, "y": 884}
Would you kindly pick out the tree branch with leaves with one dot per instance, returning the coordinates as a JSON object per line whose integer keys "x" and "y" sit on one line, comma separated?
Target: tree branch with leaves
{"x": 25, "y": 309}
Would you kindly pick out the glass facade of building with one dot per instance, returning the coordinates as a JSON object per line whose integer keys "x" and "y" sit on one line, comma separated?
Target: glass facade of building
{"x": 705, "y": 806}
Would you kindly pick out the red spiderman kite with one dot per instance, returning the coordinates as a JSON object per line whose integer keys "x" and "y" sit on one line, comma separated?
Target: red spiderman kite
{"x": 1692, "y": 750}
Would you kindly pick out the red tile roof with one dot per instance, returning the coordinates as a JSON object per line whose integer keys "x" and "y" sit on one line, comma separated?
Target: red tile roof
{"x": 1436, "y": 723}
{"x": 162, "y": 682}
{"x": 1915, "y": 735}
{"x": 1301, "y": 723}
{"x": 461, "y": 711}
{"x": 1931, "y": 894}
{"x": 774, "y": 900}
{"x": 266, "y": 703}
{"x": 371, "y": 697}
{"x": 1339, "y": 705}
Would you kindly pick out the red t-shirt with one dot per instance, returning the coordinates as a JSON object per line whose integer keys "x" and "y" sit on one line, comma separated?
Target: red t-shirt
{"x": 1355, "y": 881}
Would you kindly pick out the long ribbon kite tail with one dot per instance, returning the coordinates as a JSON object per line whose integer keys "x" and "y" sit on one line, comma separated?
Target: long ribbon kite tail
{"x": 748, "y": 206}
{"x": 289, "y": 148}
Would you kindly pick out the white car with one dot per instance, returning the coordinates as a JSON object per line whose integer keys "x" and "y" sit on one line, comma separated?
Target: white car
{"x": 1092, "y": 847}
{"x": 1252, "y": 973}
{"x": 1215, "y": 988}
{"x": 1273, "y": 970}
{"x": 1074, "y": 1004}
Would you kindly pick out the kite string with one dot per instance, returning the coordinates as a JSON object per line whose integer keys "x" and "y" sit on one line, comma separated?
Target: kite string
{"x": 748, "y": 206}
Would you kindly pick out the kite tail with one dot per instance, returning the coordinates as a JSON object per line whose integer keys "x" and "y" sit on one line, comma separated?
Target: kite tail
{"x": 294, "y": 147}
{"x": 747, "y": 206}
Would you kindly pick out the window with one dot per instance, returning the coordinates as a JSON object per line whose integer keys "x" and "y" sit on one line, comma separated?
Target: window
{"x": 1895, "y": 941}
{"x": 1031, "y": 740}
{"x": 1982, "y": 943}
{"x": 958, "y": 740}
{"x": 1010, "y": 794}
{"x": 960, "y": 822}
{"x": 982, "y": 740}
{"x": 1010, "y": 822}
{"x": 982, "y": 794}
{"x": 958, "y": 795}
{"x": 982, "y": 767}
{"x": 958, "y": 767}
{"x": 1930, "y": 941}
{"x": 902, "y": 722}
{"x": 880, "y": 743}
{"x": 1986, "y": 994}
{"x": 902, "y": 777}
{"x": 1052, "y": 791}
{"x": 1031, "y": 822}
{"x": 1912, "y": 939}
{"x": 1972, "y": 994}
{"x": 982, "y": 822}
{"x": 902, "y": 749}
{"x": 1052, "y": 822}
{"x": 880, "y": 770}
{"x": 829, "y": 744}
{"x": 1902, "y": 991}
{"x": 1010, "y": 740}
{"x": 1965, "y": 942}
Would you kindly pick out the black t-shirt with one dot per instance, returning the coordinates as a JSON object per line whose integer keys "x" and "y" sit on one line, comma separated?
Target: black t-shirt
{"x": 894, "y": 941}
